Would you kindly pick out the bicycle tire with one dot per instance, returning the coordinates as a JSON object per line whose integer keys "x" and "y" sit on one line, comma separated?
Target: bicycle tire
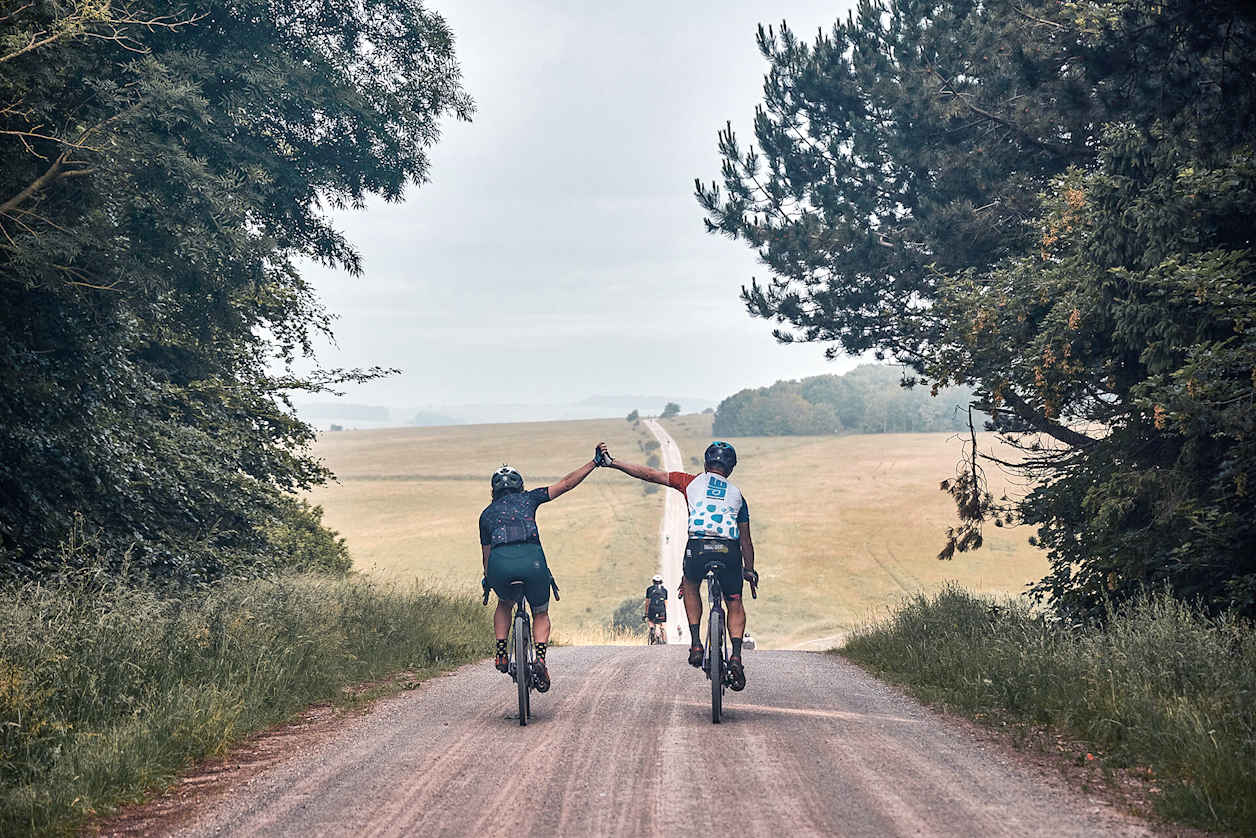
{"x": 715, "y": 653}
{"x": 523, "y": 674}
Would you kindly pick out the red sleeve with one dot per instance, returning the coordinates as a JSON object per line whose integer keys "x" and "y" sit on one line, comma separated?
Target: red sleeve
{"x": 680, "y": 481}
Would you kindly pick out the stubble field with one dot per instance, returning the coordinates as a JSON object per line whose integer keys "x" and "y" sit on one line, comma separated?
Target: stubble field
{"x": 843, "y": 526}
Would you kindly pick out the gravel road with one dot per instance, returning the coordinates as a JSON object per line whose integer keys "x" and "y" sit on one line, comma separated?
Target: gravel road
{"x": 623, "y": 745}
{"x": 672, "y": 536}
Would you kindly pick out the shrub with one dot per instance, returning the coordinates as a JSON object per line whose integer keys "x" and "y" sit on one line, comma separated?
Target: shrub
{"x": 1159, "y": 685}
{"x": 627, "y": 616}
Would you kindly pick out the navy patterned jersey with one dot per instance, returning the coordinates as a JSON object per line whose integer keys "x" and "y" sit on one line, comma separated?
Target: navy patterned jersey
{"x": 512, "y": 518}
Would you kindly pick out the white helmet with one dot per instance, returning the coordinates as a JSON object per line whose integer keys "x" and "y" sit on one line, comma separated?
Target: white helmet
{"x": 657, "y": 579}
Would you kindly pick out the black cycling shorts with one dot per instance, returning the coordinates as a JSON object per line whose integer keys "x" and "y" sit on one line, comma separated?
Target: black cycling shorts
{"x": 525, "y": 562}
{"x": 699, "y": 551}
{"x": 658, "y": 615}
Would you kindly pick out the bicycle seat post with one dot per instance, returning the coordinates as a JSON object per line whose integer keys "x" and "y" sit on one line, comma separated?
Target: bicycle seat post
{"x": 517, "y": 595}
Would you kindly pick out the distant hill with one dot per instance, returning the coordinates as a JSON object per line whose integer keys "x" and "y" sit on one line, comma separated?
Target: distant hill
{"x": 869, "y": 399}
{"x": 363, "y": 417}
{"x": 336, "y": 410}
{"x": 649, "y": 405}
{"x": 424, "y": 419}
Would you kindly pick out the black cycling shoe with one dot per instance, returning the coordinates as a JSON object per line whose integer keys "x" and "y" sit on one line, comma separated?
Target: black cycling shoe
{"x": 502, "y": 663}
{"x": 736, "y": 675}
{"x": 540, "y": 676}
{"x": 695, "y": 655}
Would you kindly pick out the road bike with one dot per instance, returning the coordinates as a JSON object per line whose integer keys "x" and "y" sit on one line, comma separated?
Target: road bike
{"x": 716, "y": 665}
{"x": 658, "y": 633}
{"x": 520, "y": 647}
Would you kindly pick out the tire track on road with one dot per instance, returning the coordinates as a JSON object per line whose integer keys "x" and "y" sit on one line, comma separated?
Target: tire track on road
{"x": 623, "y": 745}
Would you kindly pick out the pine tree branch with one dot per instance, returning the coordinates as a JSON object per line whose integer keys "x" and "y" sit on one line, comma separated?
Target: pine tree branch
{"x": 1028, "y": 16}
{"x": 948, "y": 87}
{"x": 1040, "y": 423}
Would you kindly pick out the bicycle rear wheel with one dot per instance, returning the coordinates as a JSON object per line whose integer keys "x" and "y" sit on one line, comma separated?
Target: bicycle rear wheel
{"x": 523, "y": 672}
{"x": 715, "y": 657}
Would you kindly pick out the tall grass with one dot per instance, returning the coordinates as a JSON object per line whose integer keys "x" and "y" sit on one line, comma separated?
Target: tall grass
{"x": 602, "y": 635}
{"x": 106, "y": 691}
{"x": 1159, "y": 686}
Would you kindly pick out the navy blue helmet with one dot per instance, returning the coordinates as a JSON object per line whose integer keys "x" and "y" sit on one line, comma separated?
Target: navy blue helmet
{"x": 723, "y": 454}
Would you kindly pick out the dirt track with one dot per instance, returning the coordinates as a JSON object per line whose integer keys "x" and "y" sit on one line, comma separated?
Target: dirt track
{"x": 623, "y": 745}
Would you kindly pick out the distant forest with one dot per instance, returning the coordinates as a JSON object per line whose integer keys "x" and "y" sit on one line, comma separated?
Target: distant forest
{"x": 869, "y": 399}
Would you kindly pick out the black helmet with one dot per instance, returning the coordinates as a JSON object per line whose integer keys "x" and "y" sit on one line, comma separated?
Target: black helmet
{"x": 722, "y": 454}
{"x": 506, "y": 480}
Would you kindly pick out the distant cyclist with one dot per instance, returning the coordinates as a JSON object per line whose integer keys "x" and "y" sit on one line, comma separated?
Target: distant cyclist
{"x": 656, "y": 604}
{"x": 719, "y": 529}
{"x": 512, "y": 550}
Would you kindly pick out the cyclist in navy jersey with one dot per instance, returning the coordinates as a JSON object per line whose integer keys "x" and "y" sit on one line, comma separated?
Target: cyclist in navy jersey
{"x": 511, "y": 544}
{"x": 719, "y": 528}
{"x": 656, "y": 603}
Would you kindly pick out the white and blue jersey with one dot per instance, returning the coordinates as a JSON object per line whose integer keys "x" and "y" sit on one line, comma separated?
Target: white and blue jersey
{"x": 716, "y": 506}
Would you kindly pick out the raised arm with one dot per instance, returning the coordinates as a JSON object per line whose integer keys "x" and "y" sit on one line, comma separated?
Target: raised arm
{"x": 572, "y": 480}
{"x": 650, "y": 475}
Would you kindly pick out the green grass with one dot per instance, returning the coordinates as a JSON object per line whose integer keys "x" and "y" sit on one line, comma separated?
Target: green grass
{"x": 105, "y": 693}
{"x": 1159, "y": 687}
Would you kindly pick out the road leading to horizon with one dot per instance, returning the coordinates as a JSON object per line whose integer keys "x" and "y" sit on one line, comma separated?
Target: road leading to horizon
{"x": 623, "y": 745}
{"x": 672, "y": 536}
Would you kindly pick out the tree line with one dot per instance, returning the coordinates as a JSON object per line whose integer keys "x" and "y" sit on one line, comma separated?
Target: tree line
{"x": 166, "y": 165}
{"x": 1050, "y": 203}
{"x": 870, "y": 399}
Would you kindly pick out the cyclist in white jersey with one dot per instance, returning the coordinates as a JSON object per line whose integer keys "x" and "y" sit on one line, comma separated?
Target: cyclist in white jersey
{"x": 719, "y": 528}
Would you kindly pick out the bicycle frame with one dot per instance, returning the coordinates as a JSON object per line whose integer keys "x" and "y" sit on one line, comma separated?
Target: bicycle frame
{"x": 716, "y": 664}
{"x": 520, "y": 648}
{"x": 657, "y": 633}
{"x": 522, "y": 651}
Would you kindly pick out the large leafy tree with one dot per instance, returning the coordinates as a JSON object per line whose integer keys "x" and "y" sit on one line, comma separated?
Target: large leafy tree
{"x": 1050, "y": 202}
{"x": 165, "y": 165}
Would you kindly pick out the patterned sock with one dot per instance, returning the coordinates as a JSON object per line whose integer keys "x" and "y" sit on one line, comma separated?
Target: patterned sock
{"x": 540, "y": 651}
{"x": 736, "y": 647}
{"x": 501, "y": 647}
{"x": 695, "y": 632}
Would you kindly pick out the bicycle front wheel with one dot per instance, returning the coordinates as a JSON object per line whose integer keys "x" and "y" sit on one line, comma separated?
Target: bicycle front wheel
{"x": 523, "y": 671}
{"x": 715, "y": 656}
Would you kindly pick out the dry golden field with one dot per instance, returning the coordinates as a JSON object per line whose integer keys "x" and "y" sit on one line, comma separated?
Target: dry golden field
{"x": 843, "y": 526}
{"x": 408, "y": 502}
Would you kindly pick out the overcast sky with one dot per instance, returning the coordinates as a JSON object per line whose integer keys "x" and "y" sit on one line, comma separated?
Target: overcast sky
{"x": 558, "y": 251}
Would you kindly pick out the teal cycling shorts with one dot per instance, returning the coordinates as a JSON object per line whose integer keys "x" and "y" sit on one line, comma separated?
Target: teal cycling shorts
{"x": 526, "y": 562}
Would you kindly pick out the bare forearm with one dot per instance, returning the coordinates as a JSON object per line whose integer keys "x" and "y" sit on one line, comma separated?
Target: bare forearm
{"x": 572, "y": 480}
{"x": 651, "y": 475}
{"x": 747, "y": 551}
